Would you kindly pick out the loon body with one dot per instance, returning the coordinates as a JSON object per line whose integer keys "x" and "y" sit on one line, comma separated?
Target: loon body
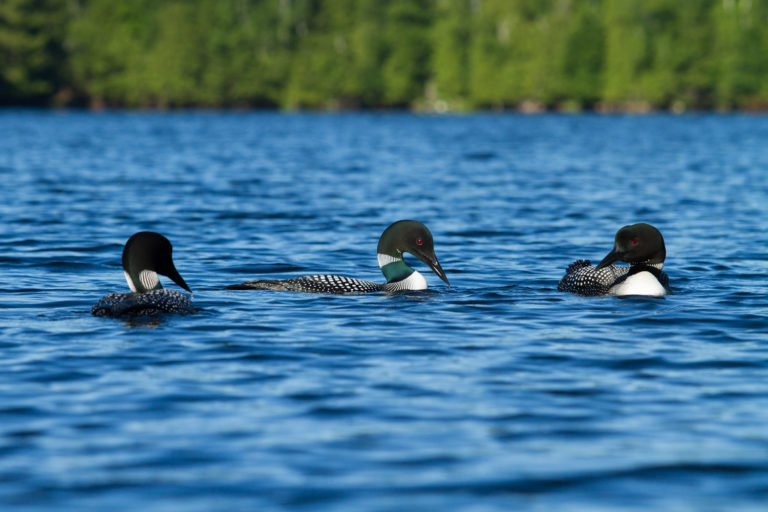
{"x": 402, "y": 236}
{"x": 640, "y": 245}
{"x": 146, "y": 254}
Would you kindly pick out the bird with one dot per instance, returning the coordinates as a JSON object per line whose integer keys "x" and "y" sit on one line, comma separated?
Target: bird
{"x": 145, "y": 255}
{"x": 642, "y": 246}
{"x": 402, "y": 236}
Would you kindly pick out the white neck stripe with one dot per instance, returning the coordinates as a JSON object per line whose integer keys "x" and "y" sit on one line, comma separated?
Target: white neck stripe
{"x": 130, "y": 283}
{"x": 386, "y": 259}
{"x": 148, "y": 279}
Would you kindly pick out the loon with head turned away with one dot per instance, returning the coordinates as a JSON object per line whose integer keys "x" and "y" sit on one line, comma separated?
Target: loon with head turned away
{"x": 640, "y": 245}
{"x": 402, "y": 236}
{"x": 145, "y": 255}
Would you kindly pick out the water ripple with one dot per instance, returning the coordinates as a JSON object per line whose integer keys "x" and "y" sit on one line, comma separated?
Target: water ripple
{"x": 497, "y": 393}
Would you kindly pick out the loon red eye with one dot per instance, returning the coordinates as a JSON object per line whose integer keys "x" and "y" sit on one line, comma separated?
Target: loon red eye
{"x": 634, "y": 241}
{"x": 419, "y": 241}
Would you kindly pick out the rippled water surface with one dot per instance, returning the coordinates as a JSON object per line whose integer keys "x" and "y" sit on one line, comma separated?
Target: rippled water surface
{"x": 497, "y": 393}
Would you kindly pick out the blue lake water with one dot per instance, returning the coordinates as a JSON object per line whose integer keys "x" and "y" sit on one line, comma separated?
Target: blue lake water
{"x": 497, "y": 393}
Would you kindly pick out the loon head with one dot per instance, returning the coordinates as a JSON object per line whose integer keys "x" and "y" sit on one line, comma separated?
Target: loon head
{"x": 407, "y": 236}
{"x": 638, "y": 243}
{"x": 145, "y": 255}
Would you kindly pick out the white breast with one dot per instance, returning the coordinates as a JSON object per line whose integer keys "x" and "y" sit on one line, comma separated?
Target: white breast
{"x": 414, "y": 281}
{"x": 642, "y": 283}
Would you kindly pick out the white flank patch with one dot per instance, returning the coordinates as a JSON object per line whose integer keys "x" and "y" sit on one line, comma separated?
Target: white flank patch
{"x": 414, "y": 281}
{"x": 386, "y": 259}
{"x": 642, "y": 283}
{"x": 148, "y": 279}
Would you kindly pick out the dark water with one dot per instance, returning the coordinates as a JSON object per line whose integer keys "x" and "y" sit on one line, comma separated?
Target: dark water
{"x": 498, "y": 393}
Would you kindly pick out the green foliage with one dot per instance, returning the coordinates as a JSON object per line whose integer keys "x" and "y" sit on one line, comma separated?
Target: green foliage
{"x": 433, "y": 54}
{"x": 406, "y": 61}
{"x": 584, "y": 55}
{"x": 739, "y": 51}
{"x": 338, "y": 55}
{"x": 450, "y": 50}
{"x": 31, "y": 52}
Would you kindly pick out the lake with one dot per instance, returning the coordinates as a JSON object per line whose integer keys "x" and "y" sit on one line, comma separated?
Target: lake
{"x": 496, "y": 393}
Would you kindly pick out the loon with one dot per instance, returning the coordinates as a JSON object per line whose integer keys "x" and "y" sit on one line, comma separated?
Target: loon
{"x": 640, "y": 245}
{"x": 402, "y": 236}
{"x": 145, "y": 255}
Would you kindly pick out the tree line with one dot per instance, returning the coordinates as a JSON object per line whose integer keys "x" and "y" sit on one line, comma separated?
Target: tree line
{"x": 417, "y": 54}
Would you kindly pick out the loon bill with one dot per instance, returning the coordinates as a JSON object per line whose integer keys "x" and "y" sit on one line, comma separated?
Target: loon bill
{"x": 402, "y": 236}
{"x": 146, "y": 254}
{"x": 640, "y": 245}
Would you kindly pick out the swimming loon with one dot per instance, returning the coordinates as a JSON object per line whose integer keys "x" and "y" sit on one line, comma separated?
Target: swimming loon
{"x": 145, "y": 255}
{"x": 640, "y": 245}
{"x": 402, "y": 236}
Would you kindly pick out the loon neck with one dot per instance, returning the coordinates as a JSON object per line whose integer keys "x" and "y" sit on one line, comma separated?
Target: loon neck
{"x": 639, "y": 266}
{"x": 145, "y": 281}
{"x": 394, "y": 268}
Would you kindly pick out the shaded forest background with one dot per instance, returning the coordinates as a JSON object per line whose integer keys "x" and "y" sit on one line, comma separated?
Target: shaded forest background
{"x": 433, "y": 55}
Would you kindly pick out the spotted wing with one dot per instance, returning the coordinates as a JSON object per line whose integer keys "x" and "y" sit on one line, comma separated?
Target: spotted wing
{"x": 583, "y": 278}
{"x": 312, "y": 284}
{"x": 149, "y": 303}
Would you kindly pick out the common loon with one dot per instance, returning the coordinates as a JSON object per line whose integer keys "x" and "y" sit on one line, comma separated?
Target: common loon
{"x": 145, "y": 255}
{"x": 640, "y": 245}
{"x": 402, "y": 236}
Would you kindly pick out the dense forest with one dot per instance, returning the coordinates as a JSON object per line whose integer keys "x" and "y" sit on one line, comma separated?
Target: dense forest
{"x": 437, "y": 55}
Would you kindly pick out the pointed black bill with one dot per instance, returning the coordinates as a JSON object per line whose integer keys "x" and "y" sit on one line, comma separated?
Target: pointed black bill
{"x": 431, "y": 261}
{"x": 612, "y": 257}
{"x": 437, "y": 269}
{"x": 176, "y": 277}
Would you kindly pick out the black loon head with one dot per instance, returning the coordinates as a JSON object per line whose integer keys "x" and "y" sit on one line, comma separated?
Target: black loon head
{"x": 638, "y": 243}
{"x": 413, "y": 237}
{"x": 145, "y": 255}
